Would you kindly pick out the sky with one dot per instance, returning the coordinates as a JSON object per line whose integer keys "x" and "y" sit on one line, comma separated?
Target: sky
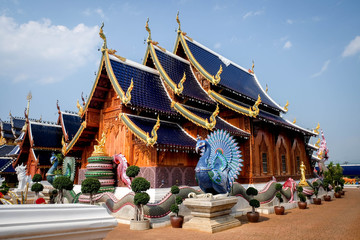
{"x": 306, "y": 52}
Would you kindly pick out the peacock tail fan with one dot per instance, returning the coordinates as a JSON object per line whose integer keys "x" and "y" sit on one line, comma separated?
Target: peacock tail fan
{"x": 225, "y": 149}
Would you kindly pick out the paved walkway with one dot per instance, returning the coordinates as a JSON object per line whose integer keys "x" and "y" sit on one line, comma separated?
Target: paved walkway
{"x": 338, "y": 219}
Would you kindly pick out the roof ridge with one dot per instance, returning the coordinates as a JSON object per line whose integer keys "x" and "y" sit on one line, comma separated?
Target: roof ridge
{"x": 135, "y": 64}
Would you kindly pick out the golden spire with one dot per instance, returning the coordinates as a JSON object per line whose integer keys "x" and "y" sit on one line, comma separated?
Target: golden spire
{"x": 28, "y": 97}
{"x": 294, "y": 120}
{"x": 178, "y": 21}
{"x": 286, "y": 106}
{"x": 316, "y": 130}
{"x": 148, "y": 29}
{"x": 267, "y": 88}
{"x": 252, "y": 67}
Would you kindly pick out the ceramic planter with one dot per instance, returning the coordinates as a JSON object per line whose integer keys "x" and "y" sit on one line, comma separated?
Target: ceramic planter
{"x": 253, "y": 217}
{"x": 177, "y": 221}
{"x": 302, "y": 205}
{"x": 317, "y": 201}
{"x": 327, "y": 198}
{"x": 337, "y": 195}
{"x": 139, "y": 225}
{"x": 279, "y": 210}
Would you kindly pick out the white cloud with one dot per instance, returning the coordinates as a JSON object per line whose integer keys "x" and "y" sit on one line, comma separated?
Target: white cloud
{"x": 287, "y": 45}
{"x": 219, "y": 7}
{"x": 289, "y": 21}
{"x": 352, "y": 48}
{"x": 38, "y": 51}
{"x": 323, "y": 69}
{"x": 251, "y": 14}
{"x": 89, "y": 12}
{"x": 217, "y": 45}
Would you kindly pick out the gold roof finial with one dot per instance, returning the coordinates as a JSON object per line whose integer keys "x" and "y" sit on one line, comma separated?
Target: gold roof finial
{"x": 28, "y": 98}
{"x": 178, "y": 21}
{"x": 10, "y": 113}
{"x": 148, "y": 29}
{"x": 213, "y": 116}
{"x": 102, "y": 35}
{"x": 252, "y": 67}
{"x": 316, "y": 130}
{"x": 152, "y": 140}
{"x": 99, "y": 150}
{"x": 317, "y": 144}
{"x": 286, "y": 106}
{"x": 294, "y": 121}
{"x": 81, "y": 109}
{"x": 267, "y": 88}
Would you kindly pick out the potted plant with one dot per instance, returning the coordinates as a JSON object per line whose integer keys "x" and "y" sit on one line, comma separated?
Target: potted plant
{"x": 253, "y": 216}
{"x": 342, "y": 182}
{"x": 302, "y": 203}
{"x": 279, "y": 210}
{"x": 176, "y": 220}
{"x": 327, "y": 188}
{"x": 53, "y": 194}
{"x": 139, "y": 185}
{"x": 37, "y": 187}
{"x": 337, "y": 192}
{"x": 316, "y": 200}
{"x": 62, "y": 183}
{"x": 90, "y": 186}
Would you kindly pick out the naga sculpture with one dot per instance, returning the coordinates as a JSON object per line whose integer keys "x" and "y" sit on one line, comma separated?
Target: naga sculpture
{"x": 50, "y": 176}
{"x": 219, "y": 164}
{"x": 68, "y": 168}
{"x": 121, "y": 169}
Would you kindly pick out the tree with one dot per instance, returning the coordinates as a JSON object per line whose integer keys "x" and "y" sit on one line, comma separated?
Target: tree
{"x": 62, "y": 183}
{"x": 37, "y": 187}
{"x": 254, "y": 203}
{"x": 178, "y": 200}
{"x": 278, "y": 188}
{"x": 91, "y": 186}
{"x": 139, "y": 185}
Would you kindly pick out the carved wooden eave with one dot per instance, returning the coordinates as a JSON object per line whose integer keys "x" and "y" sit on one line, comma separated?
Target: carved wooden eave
{"x": 66, "y": 147}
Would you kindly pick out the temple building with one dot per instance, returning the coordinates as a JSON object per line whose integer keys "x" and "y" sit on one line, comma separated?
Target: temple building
{"x": 153, "y": 112}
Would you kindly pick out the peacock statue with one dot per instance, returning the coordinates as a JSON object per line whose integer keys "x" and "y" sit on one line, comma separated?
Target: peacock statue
{"x": 220, "y": 162}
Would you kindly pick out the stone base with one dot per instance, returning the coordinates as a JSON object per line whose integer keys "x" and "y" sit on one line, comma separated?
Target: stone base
{"x": 211, "y": 215}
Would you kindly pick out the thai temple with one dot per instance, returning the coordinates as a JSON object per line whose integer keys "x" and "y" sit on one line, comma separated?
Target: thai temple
{"x": 152, "y": 113}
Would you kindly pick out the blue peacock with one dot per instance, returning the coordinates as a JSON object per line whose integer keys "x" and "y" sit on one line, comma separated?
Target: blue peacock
{"x": 220, "y": 162}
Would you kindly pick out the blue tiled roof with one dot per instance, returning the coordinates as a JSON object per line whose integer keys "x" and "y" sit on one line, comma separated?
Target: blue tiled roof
{"x": 6, "y": 165}
{"x": 71, "y": 123}
{"x": 232, "y": 77}
{"x": 14, "y": 151}
{"x": 175, "y": 69}
{"x": 6, "y": 149}
{"x": 148, "y": 92}
{"x": 47, "y": 136}
{"x": 168, "y": 133}
{"x": 43, "y": 156}
{"x": 8, "y": 135}
{"x": 220, "y": 123}
{"x": 17, "y": 123}
{"x": 5, "y": 126}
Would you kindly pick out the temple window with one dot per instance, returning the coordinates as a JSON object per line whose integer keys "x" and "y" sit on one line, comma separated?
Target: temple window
{"x": 264, "y": 162}
{"x": 283, "y": 163}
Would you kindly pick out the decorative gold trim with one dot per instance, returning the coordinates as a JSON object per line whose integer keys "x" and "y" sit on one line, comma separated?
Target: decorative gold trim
{"x": 195, "y": 118}
{"x": 102, "y": 35}
{"x": 213, "y": 79}
{"x": 67, "y": 147}
{"x": 267, "y": 88}
{"x": 178, "y": 21}
{"x": 176, "y": 88}
{"x": 80, "y": 108}
{"x": 286, "y": 106}
{"x": 294, "y": 121}
{"x": 317, "y": 144}
{"x": 316, "y": 130}
{"x": 148, "y": 29}
{"x": 251, "y": 111}
{"x": 113, "y": 51}
{"x": 138, "y": 132}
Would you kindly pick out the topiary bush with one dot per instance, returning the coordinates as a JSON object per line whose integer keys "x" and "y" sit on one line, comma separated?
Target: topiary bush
{"x": 178, "y": 200}
{"x": 62, "y": 183}
{"x": 90, "y": 186}
{"x": 278, "y": 195}
{"x": 37, "y": 178}
{"x": 253, "y": 202}
{"x": 139, "y": 185}
{"x": 337, "y": 189}
{"x": 132, "y": 171}
{"x": 316, "y": 189}
{"x": 302, "y": 197}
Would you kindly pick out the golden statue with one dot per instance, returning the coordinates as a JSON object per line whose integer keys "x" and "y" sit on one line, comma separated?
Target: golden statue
{"x": 303, "y": 179}
{"x": 99, "y": 150}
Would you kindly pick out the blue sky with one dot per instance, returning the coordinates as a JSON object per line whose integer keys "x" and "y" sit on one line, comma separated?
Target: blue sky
{"x": 307, "y": 52}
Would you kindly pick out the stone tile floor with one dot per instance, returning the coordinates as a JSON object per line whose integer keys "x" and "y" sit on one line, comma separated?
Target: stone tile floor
{"x": 338, "y": 219}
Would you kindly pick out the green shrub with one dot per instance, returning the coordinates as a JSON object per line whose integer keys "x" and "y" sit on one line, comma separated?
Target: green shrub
{"x": 251, "y": 191}
{"x": 254, "y": 203}
{"x": 140, "y": 184}
{"x": 91, "y": 186}
{"x": 178, "y": 200}
{"x": 279, "y": 196}
{"x": 132, "y": 171}
{"x": 141, "y": 198}
{"x": 337, "y": 189}
{"x": 37, "y": 187}
{"x": 300, "y": 189}
{"x": 174, "y": 208}
{"x": 4, "y": 189}
{"x": 37, "y": 178}
{"x": 62, "y": 183}
{"x": 175, "y": 189}
{"x": 278, "y": 187}
{"x": 302, "y": 197}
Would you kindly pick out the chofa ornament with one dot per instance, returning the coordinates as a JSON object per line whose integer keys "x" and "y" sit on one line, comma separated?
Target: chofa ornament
{"x": 219, "y": 164}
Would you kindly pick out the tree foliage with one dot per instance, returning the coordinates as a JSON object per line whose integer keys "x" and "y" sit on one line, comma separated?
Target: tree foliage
{"x": 251, "y": 191}
{"x": 175, "y": 189}
{"x": 37, "y": 178}
{"x": 302, "y": 197}
{"x": 63, "y": 183}
{"x": 90, "y": 185}
{"x": 140, "y": 184}
{"x": 141, "y": 198}
{"x": 132, "y": 171}
{"x": 37, "y": 187}
{"x": 278, "y": 187}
